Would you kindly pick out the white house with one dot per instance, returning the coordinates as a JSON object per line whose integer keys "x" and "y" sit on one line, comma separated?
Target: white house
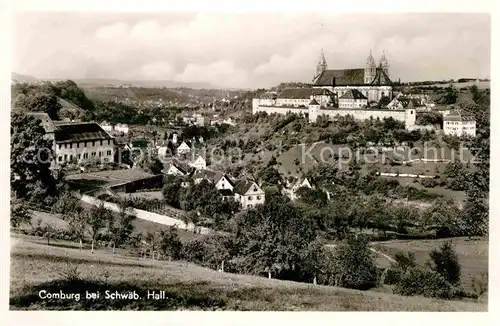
{"x": 301, "y": 183}
{"x": 122, "y": 128}
{"x": 352, "y": 99}
{"x": 249, "y": 194}
{"x": 459, "y": 124}
{"x": 77, "y": 142}
{"x": 199, "y": 163}
{"x": 183, "y": 149}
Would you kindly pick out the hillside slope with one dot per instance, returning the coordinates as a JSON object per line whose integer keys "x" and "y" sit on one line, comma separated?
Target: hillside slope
{"x": 36, "y": 266}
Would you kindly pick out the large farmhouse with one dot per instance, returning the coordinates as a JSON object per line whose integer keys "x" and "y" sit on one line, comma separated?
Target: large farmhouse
{"x": 77, "y": 141}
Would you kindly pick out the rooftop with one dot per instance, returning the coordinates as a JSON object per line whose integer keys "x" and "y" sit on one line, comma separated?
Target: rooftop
{"x": 303, "y": 93}
{"x": 243, "y": 186}
{"x": 456, "y": 115}
{"x": 47, "y": 123}
{"x": 79, "y": 131}
{"x": 353, "y": 94}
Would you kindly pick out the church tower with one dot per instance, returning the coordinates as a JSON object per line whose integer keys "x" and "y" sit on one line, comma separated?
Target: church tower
{"x": 370, "y": 69}
{"x": 321, "y": 66}
{"x": 384, "y": 63}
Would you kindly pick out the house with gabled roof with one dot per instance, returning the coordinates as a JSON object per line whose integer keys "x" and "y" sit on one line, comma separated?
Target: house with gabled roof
{"x": 352, "y": 99}
{"x": 249, "y": 194}
{"x": 199, "y": 163}
{"x": 459, "y": 123}
{"x": 183, "y": 148}
{"x": 219, "y": 179}
{"x": 179, "y": 169}
{"x": 77, "y": 141}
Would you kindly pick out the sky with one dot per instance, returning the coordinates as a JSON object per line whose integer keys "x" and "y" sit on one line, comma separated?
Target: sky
{"x": 247, "y": 50}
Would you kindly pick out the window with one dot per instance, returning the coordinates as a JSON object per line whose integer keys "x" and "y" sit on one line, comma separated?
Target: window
{"x": 101, "y": 142}
{"x": 109, "y": 153}
{"x": 60, "y": 146}
{"x": 77, "y": 145}
{"x": 79, "y": 156}
{"x": 65, "y": 157}
{"x": 70, "y": 146}
{"x": 249, "y": 197}
{"x": 109, "y": 141}
{"x": 93, "y": 143}
{"x": 254, "y": 188}
{"x": 86, "y": 155}
{"x": 65, "y": 145}
{"x": 93, "y": 154}
{"x": 60, "y": 157}
{"x": 100, "y": 153}
{"x": 258, "y": 197}
{"x": 71, "y": 157}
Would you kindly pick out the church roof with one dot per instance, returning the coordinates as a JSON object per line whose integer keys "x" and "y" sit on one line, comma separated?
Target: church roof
{"x": 381, "y": 78}
{"x": 341, "y": 77}
{"x": 353, "y": 94}
{"x": 303, "y": 93}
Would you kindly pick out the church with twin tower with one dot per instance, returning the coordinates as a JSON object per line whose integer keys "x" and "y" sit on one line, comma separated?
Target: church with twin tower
{"x": 372, "y": 81}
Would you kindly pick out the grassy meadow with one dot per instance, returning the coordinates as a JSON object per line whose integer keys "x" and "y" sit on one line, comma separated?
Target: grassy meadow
{"x": 62, "y": 267}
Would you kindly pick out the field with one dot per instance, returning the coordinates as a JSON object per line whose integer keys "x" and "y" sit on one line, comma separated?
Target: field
{"x": 36, "y": 267}
{"x": 140, "y": 225}
{"x": 472, "y": 255}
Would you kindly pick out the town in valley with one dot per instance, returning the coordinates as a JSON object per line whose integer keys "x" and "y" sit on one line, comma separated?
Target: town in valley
{"x": 180, "y": 184}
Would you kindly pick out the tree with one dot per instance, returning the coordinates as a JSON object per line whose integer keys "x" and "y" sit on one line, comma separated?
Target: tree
{"x": 77, "y": 224}
{"x": 47, "y": 103}
{"x": 272, "y": 237}
{"x": 270, "y": 176}
{"x": 170, "y": 244}
{"x": 19, "y": 213}
{"x": 31, "y": 154}
{"x": 123, "y": 227}
{"x": 445, "y": 262}
{"x": 156, "y": 166}
{"x": 355, "y": 266}
{"x": 67, "y": 203}
{"x": 96, "y": 219}
{"x": 314, "y": 197}
{"x": 171, "y": 190}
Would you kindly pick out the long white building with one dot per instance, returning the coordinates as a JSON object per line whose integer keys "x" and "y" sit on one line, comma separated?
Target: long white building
{"x": 459, "y": 124}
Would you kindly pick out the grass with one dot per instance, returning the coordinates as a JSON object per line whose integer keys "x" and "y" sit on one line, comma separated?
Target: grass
{"x": 87, "y": 186}
{"x": 62, "y": 267}
{"x": 140, "y": 225}
{"x": 472, "y": 255}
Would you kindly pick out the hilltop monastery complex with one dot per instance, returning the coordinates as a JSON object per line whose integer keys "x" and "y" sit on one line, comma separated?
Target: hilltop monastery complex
{"x": 340, "y": 92}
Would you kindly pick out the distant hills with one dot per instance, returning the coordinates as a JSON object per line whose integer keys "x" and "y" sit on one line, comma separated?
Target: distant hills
{"x": 23, "y": 78}
{"x": 116, "y": 82}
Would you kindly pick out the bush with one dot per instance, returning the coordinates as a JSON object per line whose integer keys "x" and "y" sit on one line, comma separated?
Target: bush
{"x": 445, "y": 262}
{"x": 425, "y": 282}
{"x": 429, "y": 183}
